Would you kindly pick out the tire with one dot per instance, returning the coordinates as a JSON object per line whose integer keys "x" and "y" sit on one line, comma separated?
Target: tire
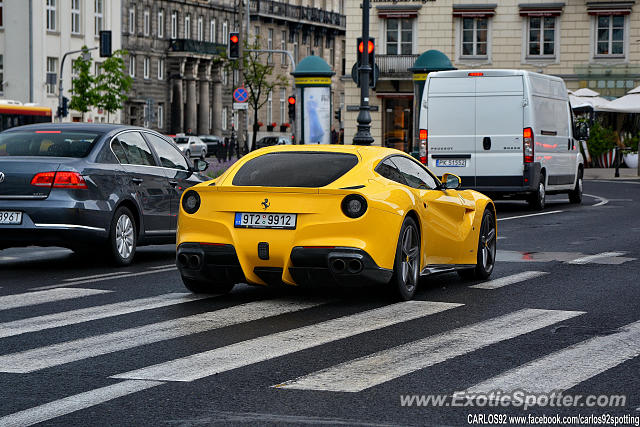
{"x": 537, "y": 200}
{"x": 200, "y": 287}
{"x": 187, "y": 154}
{"x": 406, "y": 267}
{"x": 486, "y": 257}
{"x": 575, "y": 195}
{"x": 122, "y": 237}
{"x": 202, "y": 155}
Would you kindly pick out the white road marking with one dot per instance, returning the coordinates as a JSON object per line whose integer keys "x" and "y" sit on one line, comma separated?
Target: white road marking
{"x": 603, "y": 201}
{"x": 590, "y": 258}
{"x": 101, "y": 279}
{"x": 71, "y": 351}
{"x": 509, "y": 280}
{"x": 529, "y": 215}
{"x": 162, "y": 266}
{"x": 73, "y": 317}
{"x": 568, "y": 367}
{"x": 369, "y": 371}
{"x": 257, "y": 350}
{"x": 74, "y": 403}
{"x": 95, "y": 276}
{"x": 41, "y": 297}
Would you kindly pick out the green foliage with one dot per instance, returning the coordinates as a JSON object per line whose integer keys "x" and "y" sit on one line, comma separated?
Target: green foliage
{"x": 83, "y": 85}
{"x": 601, "y": 140}
{"x": 113, "y": 83}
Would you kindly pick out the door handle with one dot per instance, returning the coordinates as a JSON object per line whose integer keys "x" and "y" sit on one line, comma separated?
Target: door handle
{"x": 137, "y": 180}
{"x": 173, "y": 183}
{"x": 486, "y": 143}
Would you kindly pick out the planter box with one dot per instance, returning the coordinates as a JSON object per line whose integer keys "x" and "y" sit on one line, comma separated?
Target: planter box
{"x": 269, "y": 128}
{"x": 283, "y": 128}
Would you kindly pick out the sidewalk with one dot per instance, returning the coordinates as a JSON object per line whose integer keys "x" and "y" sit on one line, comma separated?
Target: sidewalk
{"x": 609, "y": 173}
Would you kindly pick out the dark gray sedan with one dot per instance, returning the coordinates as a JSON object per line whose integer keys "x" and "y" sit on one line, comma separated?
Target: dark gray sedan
{"x": 88, "y": 186}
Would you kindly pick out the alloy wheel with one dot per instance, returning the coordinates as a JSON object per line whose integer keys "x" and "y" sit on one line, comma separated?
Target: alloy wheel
{"x": 124, "y": 236}
{"x": 488, "y": 243}
{"x": 410, "y": 258}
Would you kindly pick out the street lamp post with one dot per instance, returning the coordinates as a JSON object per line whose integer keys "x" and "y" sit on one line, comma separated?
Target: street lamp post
{"x": 60, "y": 89}
{"x": 363, "y": 135}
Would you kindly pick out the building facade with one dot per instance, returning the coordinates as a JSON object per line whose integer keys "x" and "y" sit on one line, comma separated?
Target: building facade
{"x": 594, "y": 44}
{"x": 34, "y": 37}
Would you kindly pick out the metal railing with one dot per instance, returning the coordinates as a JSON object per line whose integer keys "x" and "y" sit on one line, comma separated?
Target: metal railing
{"x": 395, "y": 65}
{"x": 297, "y": 13}
{"x": 195, "y": 46}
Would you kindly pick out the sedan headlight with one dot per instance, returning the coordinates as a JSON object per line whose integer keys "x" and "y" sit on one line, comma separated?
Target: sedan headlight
{"x": 191, "y": 202}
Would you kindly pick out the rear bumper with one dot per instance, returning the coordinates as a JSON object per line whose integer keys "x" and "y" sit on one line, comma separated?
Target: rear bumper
{"x": 501, "y": 186}
{"x": 312, "y": 267}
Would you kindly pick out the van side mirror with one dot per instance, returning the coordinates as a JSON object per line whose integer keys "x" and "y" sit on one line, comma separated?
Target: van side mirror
{"x": 200, "y": 165}
{"x": 450, "y": 181}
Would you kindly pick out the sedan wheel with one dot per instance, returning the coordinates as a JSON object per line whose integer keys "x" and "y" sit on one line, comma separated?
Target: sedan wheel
{"x": 122, "y": 237}
{"x": 407, "y": 263}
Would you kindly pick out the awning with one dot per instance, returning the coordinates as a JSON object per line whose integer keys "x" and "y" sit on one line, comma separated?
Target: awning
{"x": 541, "y": 9}
{"x": 609, "y": 8}
{"x": 398, "y": 11}
{"x": 474, "y": 10}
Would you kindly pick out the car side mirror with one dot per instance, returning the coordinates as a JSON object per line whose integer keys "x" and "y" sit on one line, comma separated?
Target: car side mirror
{"x": 450, "y": 181}
{"x": 200, "y": 165}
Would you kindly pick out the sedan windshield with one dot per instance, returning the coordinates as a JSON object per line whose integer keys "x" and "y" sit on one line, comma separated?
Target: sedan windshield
{"x": 47, "y": 143}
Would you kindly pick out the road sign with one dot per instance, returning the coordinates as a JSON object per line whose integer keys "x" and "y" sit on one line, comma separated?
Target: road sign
{"x": 240, "y": 95}
{"x": 240, "y": 106}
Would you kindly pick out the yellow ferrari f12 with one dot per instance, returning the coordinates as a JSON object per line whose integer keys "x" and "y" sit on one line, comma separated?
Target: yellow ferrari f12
{"x": 340, "y": 215}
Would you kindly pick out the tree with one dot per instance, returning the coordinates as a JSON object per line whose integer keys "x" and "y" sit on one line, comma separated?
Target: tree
{"x": 257, "y": 80}
{"x": 83, "y": 84}
{"x": 112, "y": 84}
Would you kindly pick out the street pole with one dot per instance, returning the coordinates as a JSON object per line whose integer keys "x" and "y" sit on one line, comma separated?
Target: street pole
{"x": 363, "y": 135}
{"x": 60, "y": 90}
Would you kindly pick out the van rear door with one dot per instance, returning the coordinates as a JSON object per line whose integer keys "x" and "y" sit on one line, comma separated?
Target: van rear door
{"x": 499, "y": 118}
{"x": 451, "y": 127}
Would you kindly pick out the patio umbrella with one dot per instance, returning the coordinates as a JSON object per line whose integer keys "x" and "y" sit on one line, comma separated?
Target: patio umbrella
{"x": 587, "y": 98}
{"x": 630, "y": 103}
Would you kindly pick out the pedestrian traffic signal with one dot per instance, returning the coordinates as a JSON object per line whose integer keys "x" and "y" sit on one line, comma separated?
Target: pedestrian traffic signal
{"x": 233, "y": 47}
{"x": 292, "y": 108}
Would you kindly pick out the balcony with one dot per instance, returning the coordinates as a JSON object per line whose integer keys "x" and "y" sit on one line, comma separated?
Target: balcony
{"x": 395, "y": 66}
{"x": 298, "y": 14}
{"x": 195, "y": 46}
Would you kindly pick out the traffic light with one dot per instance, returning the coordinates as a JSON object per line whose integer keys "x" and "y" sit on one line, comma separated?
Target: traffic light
{"x": 292, "y": 108}
{"x": 371, "y": 51}
{"x": 338, "y": 115}
{"x": 105, "y": 44}
{"x": 63, "y": 110}
{"x": 233, "y": 47}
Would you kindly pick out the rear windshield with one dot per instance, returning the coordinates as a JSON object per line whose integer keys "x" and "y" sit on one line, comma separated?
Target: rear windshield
{"x": 181, "y": 140}
{"x": 48, "y": 143}
{"x": 295, "y": 169}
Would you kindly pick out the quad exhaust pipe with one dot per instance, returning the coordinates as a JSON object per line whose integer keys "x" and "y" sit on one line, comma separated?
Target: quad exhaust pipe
{"x": 345, "y": 265}
{"x": 192, "y": 261}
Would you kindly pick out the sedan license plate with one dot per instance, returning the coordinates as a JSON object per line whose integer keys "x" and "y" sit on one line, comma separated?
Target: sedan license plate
{"x": 265, "y": 220}
{"x": 10, "y": 217}
{"x": 455, "y": 163}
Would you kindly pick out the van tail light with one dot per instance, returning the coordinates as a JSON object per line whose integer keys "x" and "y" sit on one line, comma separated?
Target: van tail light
{"x": 527, "y": 145}
{"x": 424, "y": 147}
{"x": 65, "y": 179}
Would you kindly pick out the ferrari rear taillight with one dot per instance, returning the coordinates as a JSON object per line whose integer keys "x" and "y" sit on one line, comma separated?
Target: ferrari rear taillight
{"x": 62, "y": 179}
{"x": 423, "y": 148}
{"x": 527, "y": 145}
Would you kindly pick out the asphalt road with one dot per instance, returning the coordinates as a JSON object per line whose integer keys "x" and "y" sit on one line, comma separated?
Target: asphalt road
{"x": 82, "y": 343}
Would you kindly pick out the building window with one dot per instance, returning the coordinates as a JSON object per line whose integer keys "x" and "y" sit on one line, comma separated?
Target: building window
{"x": 52, "y": 67}
{"x": 283, "y": 46}
{"x": 225, "y": 77}
{"x": 160, "y": 68}
{"x": 132, "y": 65}
{"x": 97, "y": 68}
{"x": 295, "y": 48}
{"x": 145, "y": 67}
{"x": 225, "y": 31}
{"x": 270, "y": 108}
{"x": 132, "y": 20}
{"x": 1, "y": 21}
{"x": 200, "y": 28}
{"x": 160, "y": 116}
{"x": 283, "y": 105}
{"x": 98, "y": 16}
{"x": 213, "y": 37}
{"x": 161, "y": 24}
{"x": 1, "y": 71}
{"x": 399, "y": 36}
{"x": 610, "y": 35}
{"x": 256, "y": 33}
{"x": 75, "y": 16}
{"x": 174, "y": 25}
{"x": 474, "y": 36}
{"x": 51, "y": 15}
{"x": 332, "y": 52}
{"x": 542, "y": 36}
{"x": 187, "y": 26}
{"x": 270, "y": 45}
{"x": 224, "y": 118}
{"x": 146, "y": 23}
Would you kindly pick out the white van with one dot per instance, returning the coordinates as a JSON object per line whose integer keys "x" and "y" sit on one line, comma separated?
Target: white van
{"x": 506, "y": 133}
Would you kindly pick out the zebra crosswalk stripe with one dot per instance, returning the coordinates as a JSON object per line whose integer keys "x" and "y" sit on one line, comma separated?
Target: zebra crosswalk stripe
{"x": 71, "y": 351}
{"x": 509, "y": 280}
{"x": 568, "y": 367}
{"x": 73, "y": 317}
{"x": 41, "y": 297}
{"x": 268, "y": 347}
{"x": 386, "y": 365}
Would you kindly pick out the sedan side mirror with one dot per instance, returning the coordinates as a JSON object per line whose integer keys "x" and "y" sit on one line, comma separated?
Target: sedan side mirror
{"x": 450, "y": 181}
{"x": 200, "y": 165}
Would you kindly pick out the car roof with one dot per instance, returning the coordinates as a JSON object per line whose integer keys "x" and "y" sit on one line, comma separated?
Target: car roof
{"x": 368, "y": 152}
{"x": 86, "y": 127}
